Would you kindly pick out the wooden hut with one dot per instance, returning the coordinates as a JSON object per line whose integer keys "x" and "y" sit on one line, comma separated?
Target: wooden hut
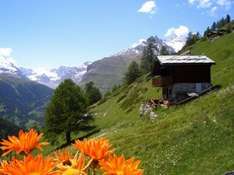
{"x": 182, "y": 76}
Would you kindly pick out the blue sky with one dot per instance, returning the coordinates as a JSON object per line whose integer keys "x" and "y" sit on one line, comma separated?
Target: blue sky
{"x": 50, "y": 33}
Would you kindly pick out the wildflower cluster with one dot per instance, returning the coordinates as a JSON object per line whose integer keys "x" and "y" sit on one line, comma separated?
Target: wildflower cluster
{"x": 92, "y": 156}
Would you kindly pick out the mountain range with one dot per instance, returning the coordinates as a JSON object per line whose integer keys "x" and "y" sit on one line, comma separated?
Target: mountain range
{"x": 105, "y": 73}
{"x": 53, "y": 77}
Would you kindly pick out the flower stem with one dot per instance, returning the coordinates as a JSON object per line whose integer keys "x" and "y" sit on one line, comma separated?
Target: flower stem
{"x": 88, "y": 164}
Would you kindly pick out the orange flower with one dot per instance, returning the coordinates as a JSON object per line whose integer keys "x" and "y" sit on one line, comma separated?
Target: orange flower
{"x": 97, "y": 149}
{"x": 25, "y": 142}
{"x": 62, "y": 156}
{"x": 29, "y": 166}
{"x": 120, "y": 166}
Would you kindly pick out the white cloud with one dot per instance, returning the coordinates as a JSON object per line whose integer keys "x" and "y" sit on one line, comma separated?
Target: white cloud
{"x": 5, "y": 54}
{"x": 225, "y": 3}
{"x": 176, "y": 37}
{"x": 212, "y": 5}
{"x": 148, "y": 7}
{"x": 213, "y": 10}
{"x": 201, "y": 3}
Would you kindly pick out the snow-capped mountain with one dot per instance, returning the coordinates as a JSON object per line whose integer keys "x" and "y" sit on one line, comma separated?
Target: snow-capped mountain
{"x": 138, "y": 47}
{"x": 48, "y": 77}
{"x": 7, "y": 64}
{"x": 105, "y": 72}
{"x": 52, "y": 77}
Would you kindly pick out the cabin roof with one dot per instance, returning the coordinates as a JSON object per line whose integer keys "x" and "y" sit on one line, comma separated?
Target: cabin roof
{"x": 184, "y": 59}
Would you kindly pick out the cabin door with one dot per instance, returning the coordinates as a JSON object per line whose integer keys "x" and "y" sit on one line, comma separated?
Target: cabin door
{"x": 167, "y": 93}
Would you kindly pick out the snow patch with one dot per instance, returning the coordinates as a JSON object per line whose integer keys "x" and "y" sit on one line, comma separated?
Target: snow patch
{"x": 7, "y": 63}
{"x": 38, "y": 72}
{"x": 176, "y": 37}
{"x": 53, "y": 77}
{"x": 139, "y": 42}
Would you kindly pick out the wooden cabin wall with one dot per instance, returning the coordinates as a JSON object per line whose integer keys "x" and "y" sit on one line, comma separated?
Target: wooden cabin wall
{"x": 188, "y": 73}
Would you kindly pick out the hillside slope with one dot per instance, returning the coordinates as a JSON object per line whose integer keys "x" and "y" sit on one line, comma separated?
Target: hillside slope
{"x": 22, "y": 101}
{"x": 7, "y": 128}
{"x": 109, "y": 71}
{"x": 195, "y": 138}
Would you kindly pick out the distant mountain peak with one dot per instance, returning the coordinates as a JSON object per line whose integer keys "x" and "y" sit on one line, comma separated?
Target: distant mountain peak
{"x": 43, "y": 73}
{"x": 52, "y": 77}
{"x": 7, "y": 64}
{"x": 139, "y": 42}
{"x": 138, "y": 47}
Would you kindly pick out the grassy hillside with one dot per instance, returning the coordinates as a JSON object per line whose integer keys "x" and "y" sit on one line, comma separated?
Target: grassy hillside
{"x": 196, "y": 138}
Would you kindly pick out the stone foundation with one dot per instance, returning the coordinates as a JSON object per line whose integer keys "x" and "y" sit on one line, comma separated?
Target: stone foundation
{"x": 180, "y": 91}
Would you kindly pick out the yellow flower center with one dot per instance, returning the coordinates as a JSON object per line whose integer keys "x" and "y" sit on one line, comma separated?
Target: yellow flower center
{"x": 72, "y": 171}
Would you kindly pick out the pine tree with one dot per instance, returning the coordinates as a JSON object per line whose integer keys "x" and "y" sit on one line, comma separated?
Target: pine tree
{"x": 133, "y": 73}
{"x": 207, "y": 31}
{"x": 148, "y": 58}
{"x": 214, "y": 26}
{"x": 228, "y": 19}
{"x": 93, "y": 93}
{"x": 221, "y": 23}
{"x": 65, "y": 112}
{"x": 164, "y": 51}
{"x": 191, "y": 39}
{"x": 197, "y": 36}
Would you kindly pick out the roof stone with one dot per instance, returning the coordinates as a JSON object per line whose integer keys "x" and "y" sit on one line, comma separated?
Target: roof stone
{"x": 185, "y": 59}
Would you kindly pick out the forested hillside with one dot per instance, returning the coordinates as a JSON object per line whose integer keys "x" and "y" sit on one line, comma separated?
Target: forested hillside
{"x": 7, "y": 128}
{"x": 22, "y": 101}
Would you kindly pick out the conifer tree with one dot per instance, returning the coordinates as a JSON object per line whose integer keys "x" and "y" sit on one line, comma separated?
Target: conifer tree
{"x": 207, "y": 31}
{"x": 228, "y": 19}
{"x": 133, "y": 73}
{"x": 221, "y": 23}
{"x": 192, "y": 38}
{"x": 214, "y": 26}
{"x": 65, "y": 112}
{"x": 148, "y": 58}
{"x": 198, "y": 36}
{"x": 164, "y": 51}
{"x": 92, "y": 93}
